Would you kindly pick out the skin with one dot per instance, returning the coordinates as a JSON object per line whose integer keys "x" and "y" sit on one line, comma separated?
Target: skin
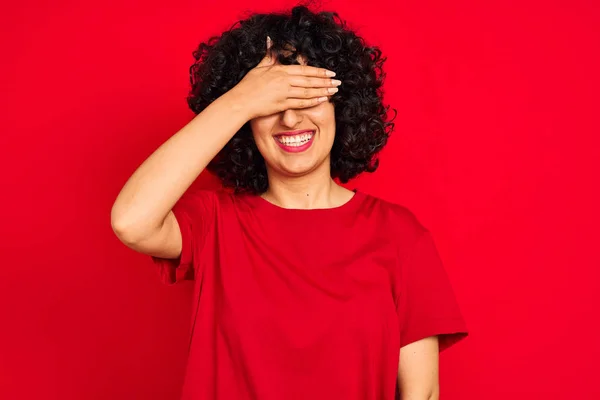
{"x": 274, "y": 99}
{"x": 300, "y": 180}
{"x": 418, "y": 370}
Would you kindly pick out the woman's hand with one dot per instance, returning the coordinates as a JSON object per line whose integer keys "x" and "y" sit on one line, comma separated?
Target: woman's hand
{"x": 268, "y": 88}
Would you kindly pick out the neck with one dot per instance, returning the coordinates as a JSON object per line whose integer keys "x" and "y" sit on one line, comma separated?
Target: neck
{"x": 314, "y": 190}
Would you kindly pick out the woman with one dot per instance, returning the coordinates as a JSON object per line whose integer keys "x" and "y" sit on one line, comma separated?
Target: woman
{"x": 303, "y": 289}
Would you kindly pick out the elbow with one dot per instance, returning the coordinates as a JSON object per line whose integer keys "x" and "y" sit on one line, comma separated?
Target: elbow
{"x": 121, "y": 231}
{"x": 132, "y": 230}
{"x": 122, "y": 227}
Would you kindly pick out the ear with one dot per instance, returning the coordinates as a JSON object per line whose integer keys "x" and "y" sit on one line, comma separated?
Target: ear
{"x": 268, "y": 59}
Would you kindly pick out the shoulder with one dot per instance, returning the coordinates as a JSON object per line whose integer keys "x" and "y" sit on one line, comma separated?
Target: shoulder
{"x": 198, "y": 198}
{"x": 214, "y": 201}
{"x": 200, "y": 202}
{"x": 215, "y": 196}
{"x": 395, "y": 217}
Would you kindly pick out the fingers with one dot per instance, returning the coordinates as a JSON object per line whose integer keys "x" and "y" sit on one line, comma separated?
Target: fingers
{"x": 309, "y": 93}
{"x": 302, "y": 81}
{"x": 305, "y": 103}
{"x": 308, "y": 70}
{"x": 268, "y": 59}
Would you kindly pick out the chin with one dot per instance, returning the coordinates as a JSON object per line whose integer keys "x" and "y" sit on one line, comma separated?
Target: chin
{"x": 298, "y": 167}
{"x": 296, "y": 170}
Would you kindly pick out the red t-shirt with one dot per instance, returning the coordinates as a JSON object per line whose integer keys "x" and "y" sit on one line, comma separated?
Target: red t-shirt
{"x": 306, "y": 304}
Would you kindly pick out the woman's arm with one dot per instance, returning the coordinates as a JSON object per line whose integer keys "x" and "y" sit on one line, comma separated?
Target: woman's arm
{"x": 418, "y": 371}
{"x": 141, "y": 214}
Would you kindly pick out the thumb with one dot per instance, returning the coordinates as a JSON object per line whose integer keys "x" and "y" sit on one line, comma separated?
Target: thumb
{"x": 268, "y": 59}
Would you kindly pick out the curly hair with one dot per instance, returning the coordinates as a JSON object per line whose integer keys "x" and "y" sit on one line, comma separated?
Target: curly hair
{"x": 323, "y": 39}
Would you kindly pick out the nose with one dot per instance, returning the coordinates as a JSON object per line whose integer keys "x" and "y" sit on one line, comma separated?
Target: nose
{"x": 291, "y": 118}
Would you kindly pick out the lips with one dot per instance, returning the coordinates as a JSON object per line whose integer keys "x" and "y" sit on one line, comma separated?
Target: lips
{"x": 296, "y": 141}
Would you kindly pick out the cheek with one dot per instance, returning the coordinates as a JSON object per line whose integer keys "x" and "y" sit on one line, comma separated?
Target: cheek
{"x": 324, "y": 116}
{"x": 261, "y": 128}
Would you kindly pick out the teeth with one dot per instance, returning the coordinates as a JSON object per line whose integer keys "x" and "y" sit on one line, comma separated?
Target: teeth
{"x": 295, "y": 141}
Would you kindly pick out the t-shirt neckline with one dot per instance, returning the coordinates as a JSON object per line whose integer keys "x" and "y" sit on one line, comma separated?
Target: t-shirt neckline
{"x": 262, "y": 204}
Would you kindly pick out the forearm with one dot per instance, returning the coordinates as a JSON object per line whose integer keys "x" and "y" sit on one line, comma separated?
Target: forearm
{"x": 418, "y": 371}
{"x": 158, "y": 183}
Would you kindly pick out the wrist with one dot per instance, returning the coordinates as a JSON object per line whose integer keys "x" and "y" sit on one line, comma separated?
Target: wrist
{"x": 237, "y": 105}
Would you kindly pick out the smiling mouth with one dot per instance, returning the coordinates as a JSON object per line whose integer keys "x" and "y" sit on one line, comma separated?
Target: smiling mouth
{"x": 295, "y": 142}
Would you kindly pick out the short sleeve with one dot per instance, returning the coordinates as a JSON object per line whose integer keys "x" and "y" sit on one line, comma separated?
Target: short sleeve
{"x": 194, "y": 213}
{"x": 427, "y": 305}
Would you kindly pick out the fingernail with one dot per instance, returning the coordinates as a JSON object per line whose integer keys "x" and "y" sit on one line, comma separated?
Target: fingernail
{"x": 269, "y": 42}
{"x": 332, "y": 90}
{"x": 322, "y": 98}
{"x": 330, "y": 73}
{"x": 336, "y": 82}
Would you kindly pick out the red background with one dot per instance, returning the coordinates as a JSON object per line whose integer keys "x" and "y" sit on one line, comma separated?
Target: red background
{"x": 496, "y": 150}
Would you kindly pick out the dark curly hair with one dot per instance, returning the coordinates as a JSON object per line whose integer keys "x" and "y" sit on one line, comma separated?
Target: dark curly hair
{"x": 323, "y": 39}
